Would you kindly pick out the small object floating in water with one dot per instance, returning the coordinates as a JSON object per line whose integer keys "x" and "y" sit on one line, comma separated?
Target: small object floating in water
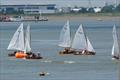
{"x": 43, "y": 74}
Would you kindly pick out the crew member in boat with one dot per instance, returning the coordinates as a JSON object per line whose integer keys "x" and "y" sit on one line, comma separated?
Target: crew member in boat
{"x": 31, "y": 55}
{"x": 116, "y": 57}
{"x": 66, "y": 50}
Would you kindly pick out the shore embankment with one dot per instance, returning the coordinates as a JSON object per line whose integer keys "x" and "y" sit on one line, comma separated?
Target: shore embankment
{"x": 71, "y": 16}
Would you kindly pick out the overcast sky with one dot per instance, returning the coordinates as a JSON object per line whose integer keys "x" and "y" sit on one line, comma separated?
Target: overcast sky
{"x": 61, "y": 2}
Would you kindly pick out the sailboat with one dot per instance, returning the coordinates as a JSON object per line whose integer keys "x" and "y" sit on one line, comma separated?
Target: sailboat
{"x": 115, "y": 48}
{"x": 81, "y": 44}
{"x": 65, "y": 40}
{"x": 28, "y": 51}
{"x": 17, "y": 42}
{"x": 20, "y": 43}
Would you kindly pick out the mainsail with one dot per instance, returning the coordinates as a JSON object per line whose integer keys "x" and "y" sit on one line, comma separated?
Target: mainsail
{"x": 17, "y": 41}
{"x": 115, "y": 48}
{"x": 79, "y": 41}
{"x": 65, "y": 36}
{"x": 27, "y": 40}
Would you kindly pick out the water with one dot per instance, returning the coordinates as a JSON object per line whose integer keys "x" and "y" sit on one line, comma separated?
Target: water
{"x": 45, "y": 37}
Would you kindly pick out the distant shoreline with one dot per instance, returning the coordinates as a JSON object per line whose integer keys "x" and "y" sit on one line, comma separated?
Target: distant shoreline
{"x": 82, "y": 16}
{"x": 71, "y": 16}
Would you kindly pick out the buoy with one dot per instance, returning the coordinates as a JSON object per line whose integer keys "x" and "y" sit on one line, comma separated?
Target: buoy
{"x": 20, "y": 55}
{"x": 42, "y": 74}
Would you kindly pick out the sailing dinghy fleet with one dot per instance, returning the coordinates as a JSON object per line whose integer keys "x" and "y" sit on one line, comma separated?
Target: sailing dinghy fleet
{"x": 20, "y": 44}
{"x": 81, "y": 44}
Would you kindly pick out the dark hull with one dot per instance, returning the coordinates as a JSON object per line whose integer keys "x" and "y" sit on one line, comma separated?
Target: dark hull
{"x": 77, "y": 53}
{"x": 34, "y": 57}
{"x": 11, "y": 54}
{"x": 86, "y": 53}
{"x": 66, "y": 52}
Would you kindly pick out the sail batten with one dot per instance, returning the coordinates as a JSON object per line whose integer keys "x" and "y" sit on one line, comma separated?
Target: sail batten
{"x": 65, "y": 40}
{"x": 17, "y": 41}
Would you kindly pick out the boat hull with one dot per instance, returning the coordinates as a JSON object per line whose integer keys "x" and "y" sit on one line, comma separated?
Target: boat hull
{"x": 86, "y": 53}
{"x": 11, "y": 54}
{"x": 34, "y": 57}
{"x": 77, "y": 52}
{"x": 20, "y": 55}
{"x": 67, "y": 52}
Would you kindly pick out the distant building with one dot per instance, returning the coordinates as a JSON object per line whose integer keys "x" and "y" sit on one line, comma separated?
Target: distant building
{"x": 76, "y": 9}
{"x": 65, "y": 9}
{"x": 28, "y": 9}
{"x": 97, "y": 9}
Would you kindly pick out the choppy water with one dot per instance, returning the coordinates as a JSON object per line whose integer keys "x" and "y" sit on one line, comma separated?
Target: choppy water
{"x": 45, "y": 37}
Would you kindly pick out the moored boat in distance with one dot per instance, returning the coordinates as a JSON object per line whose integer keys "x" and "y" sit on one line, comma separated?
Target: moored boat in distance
{"x": 115, "y": 48}
{"x": 22, "y": 18}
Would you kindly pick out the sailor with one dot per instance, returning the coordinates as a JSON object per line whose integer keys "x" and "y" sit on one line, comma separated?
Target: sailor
{"x": 66, "y": 50}
{"x": 14, "y": 52}
{"x": 116, "y": 57}
{"x": 83, "y": 51}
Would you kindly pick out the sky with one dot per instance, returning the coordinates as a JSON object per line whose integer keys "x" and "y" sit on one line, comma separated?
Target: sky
{"x": 59, "y": 3}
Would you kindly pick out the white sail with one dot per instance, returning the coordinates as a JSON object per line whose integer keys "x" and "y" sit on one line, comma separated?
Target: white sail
{"x": 79, "y": 41}
{"x": 115, "y": 48}
{"x": 65, "y": 36}
{"x": 17, "y": 41}
{"x": 90, "y": 47}
{"x": 27, "y": 40}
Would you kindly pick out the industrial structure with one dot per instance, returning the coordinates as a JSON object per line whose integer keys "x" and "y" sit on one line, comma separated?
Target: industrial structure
{"x": 28, "y": 9}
